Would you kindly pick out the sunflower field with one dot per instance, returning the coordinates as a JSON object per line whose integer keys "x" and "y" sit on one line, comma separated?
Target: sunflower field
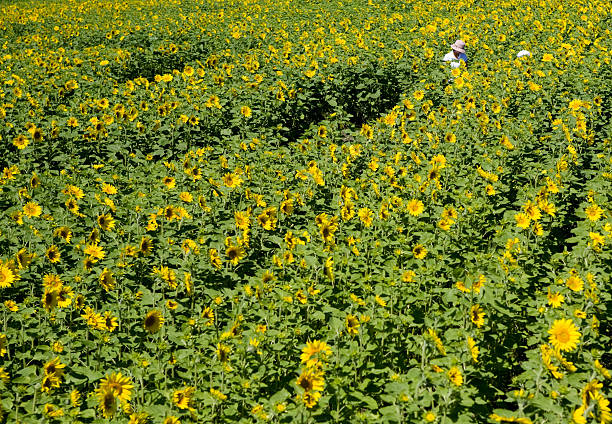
{"x": 217, "y": 211}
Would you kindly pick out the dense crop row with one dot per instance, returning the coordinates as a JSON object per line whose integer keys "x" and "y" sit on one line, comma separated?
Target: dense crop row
{"x": 221, "y": 211}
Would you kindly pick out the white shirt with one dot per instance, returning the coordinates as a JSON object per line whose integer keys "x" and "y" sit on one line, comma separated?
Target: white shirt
{"x": 455, "y": 62}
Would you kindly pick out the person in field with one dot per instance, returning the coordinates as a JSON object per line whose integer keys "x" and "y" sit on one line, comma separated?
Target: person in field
{"x": 456, "y": 55}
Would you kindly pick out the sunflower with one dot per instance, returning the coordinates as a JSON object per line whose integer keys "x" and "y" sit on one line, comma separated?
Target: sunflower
{"x": 352, "y": 324}
{"x": 118, "y": 384}
{"x": 242, "y": 220}
{"x": 182, "y": 397}
{"x": 107, "y": 281}
{"x": 419, "y": 251}
{"x": 555, "y": 299}
{"x": 53, "y": 254}
{"x": 49, "y": 299}
{"x": 3, "y": 344}
{"x": 415, "y": 207}
{"x": 477, "y": 315}
{"x": 310, "y": 399}
{"x": 21, "y": 142}
{"x": 366, "y": 216}
{"x": 64, "y": 296}
{"x": 474, "y": 351}
{"x": 564, "y": 335}
{"x": 49, "y": 382}
{"x": 315, "y": 348}
{"x": 455, "y": 377}
{"x": 7, "y": 276}
{"x": 169, "y": 182}
{"x": 311, "y": 381}
{"x": 146, "y": 246}
{"x": 37, "y": 134}
{"x": 209, "y": 315}
{"x": 235, "y": 254}
{"x": 575, "y": 283}
{"x": 522, "y": 220}
{"x": 32, "y": 209}
{"x": 110, "y": 321}
{"x": 246, "y": 111}
{"x": 223, "y": 352}
{"x": 231, "y": 180}
{"x": 64, "y": 233}
{"x": 153, "y": 321}
{"x": 106, "y": 222}
{"x": 593, "y": 212}
{"x": 72, "y": 206}
{"x": 55, "y": 367}
{"x": 94, "y": 252}
{"x": 107, "y": 403}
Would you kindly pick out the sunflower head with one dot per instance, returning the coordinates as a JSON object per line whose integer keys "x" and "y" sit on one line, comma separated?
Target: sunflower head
{"x": 153, "y": 321}
{"x": 564, "y": 335}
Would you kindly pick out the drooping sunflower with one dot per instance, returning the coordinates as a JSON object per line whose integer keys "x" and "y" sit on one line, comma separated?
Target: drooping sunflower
{"x": 153, "y": 321}
{"x": 555, "y": 299}
{"x": 310, "y": 399}
{"x": 63, "y": 232}
{"x": 564, "y": 335}
{"x": 223, "y": 352}
{"x": 49, "y": 382}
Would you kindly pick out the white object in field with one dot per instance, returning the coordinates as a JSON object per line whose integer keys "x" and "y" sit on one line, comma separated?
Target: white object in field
{"x": 523, "y": 53}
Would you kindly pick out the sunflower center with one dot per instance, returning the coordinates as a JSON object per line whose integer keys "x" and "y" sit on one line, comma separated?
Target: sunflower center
{"x": 563, "y": 336}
